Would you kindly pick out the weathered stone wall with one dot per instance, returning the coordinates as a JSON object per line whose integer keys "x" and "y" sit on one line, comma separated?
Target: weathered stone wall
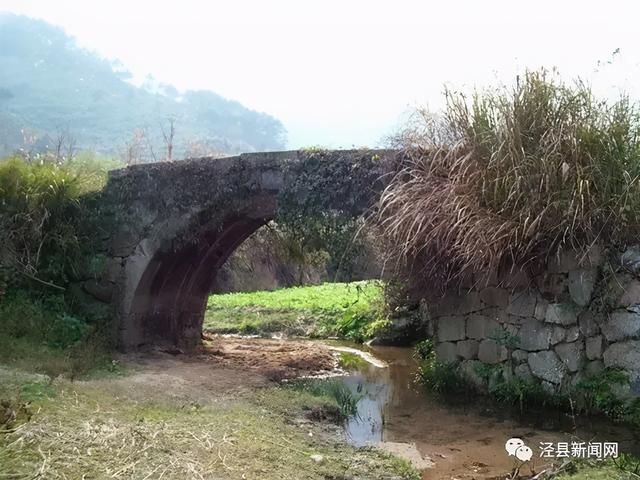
{"x": 577, "y": 316}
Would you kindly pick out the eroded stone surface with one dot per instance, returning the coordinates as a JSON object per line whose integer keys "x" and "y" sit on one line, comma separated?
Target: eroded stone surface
{"x": 571, "y": 354}
{"x": 621, "y": 324}
{"x": 561, "y": 314}
{"x": 522, "y": 304}
{"x": 489, "y": 351}
{"x": 535, "y": 335}
{"x": 451, "y": 328}
{"x": 594, "y": 347}
{"x": 467, "y": 349}
{"x": 547, "y": 366}
{"x": 624, "y": 355}
{"x": 447, "y": 352}
{"x": 581, "y": 284}
{"x": 480, "y": 327}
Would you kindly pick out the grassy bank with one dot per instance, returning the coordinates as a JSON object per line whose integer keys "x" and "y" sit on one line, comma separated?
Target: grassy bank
{"x": 348, "y": 310}
{"x": 48, "y": 228}
{"x": 85, "y": 430}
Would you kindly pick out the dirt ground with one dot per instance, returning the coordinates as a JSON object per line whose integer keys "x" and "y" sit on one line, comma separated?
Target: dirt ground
{"x": 275, "y": 359}
{"x": 224, "y": 367}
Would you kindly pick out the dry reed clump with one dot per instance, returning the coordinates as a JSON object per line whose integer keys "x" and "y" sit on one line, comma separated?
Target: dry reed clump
{"x": 510, "y": 177}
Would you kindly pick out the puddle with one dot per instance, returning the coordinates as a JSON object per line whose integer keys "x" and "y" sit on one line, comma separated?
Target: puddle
{"x": 463, "y": 441}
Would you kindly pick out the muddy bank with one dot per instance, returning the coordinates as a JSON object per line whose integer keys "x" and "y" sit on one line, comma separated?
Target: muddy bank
{"x": 274, "y": 359}
{"x": 461, "y": 440}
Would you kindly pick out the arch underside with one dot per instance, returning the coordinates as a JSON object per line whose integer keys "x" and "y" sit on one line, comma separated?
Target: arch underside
{"x": 171, "y": 298}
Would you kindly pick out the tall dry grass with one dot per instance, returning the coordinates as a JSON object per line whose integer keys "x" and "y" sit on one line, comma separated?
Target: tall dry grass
{"x": 511, "y": 176}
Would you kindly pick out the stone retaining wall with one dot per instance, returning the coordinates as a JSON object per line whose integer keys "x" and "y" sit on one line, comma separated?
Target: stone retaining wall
{"x": 577, "y": 317}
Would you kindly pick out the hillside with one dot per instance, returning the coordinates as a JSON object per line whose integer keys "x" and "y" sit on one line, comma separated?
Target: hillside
{"x": 51, "y": 88}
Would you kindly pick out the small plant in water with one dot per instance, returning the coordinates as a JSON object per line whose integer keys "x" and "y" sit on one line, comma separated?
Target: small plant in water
{"x": 334, "y": 388}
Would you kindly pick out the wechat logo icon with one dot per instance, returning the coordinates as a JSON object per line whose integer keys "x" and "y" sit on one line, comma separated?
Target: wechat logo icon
{"x": 515, "y": 447}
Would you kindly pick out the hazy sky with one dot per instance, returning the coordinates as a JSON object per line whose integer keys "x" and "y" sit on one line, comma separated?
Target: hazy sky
{"x": 343, "y": 73}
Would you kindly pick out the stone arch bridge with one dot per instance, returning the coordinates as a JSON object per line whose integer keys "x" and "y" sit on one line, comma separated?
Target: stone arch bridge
{"x": 169, "y": 227}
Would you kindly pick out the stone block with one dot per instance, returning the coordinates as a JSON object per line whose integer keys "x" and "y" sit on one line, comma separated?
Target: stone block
{"x": 541, "y": 308}
{"x": 467, "y": 349}
{"x": 572, "y": 334}
{"x": 621, "y": 325}
{"x": 535, "y": 335}
{"x": 124, "y": 242}
{"x": 453, "y": 303}
{"x": 630, "y": 295}
{"x": 630, "y": 259}
{"x": 519, "y": 355}
{"x": 593, "y": 347}
{"x": 489, "y": 351}
{"x": 100, "y": 290}
{"x": 113, "y": 269}
{"x": 546, "y": 365}
{"x": 522, "y": 304}
{"x": 581, "y": 284}
{"x": 495, "y": 297}
{"x": 571, "y": 354}
{"x": 553, "y": 285}
{"x": 558, "y": 334}
{"x": 588, "y": 323}
{"x": 451, "y": 328}
{"x": 447, "y": 352}
{"x": 480, "y": 327}
{"x": 624, "y": 355}
{"x": 561, "y": 314}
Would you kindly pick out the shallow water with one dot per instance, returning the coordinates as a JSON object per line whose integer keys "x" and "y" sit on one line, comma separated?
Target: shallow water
{"x": 464, "y": 440}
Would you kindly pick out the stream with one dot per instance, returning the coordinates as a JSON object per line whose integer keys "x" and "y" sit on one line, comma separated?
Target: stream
{"x": 456, "y": 440}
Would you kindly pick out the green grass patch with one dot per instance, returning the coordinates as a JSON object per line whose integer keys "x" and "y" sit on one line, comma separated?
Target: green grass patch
{"x": 348, "y": 310}
{"x": 352, "y": 361}
{"x": 626, "y": 467}
{"x": 332, "y": 388}
{"x": 37, "y": 334}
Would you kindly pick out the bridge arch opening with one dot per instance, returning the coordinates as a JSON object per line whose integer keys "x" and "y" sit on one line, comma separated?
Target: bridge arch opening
{"x": 171, "y": 296}
{"x": 173, "y": 225}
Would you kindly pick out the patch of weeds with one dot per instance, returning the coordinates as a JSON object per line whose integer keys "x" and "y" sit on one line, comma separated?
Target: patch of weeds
{"x": 443, "y": 378}
{"x": 597, "y": 394}
{"x": 66, "y": 331}
{"x": 505, "y": 388}
{"x": 351, "y": 361}
{"x": 439, "y": 377}
{"x": 423, "y": 349}
{"x": 333, "y": 388}
{"x": 625, "y": 467}
{"x": 36, "y": 391}
{"x": 505, "y": 338}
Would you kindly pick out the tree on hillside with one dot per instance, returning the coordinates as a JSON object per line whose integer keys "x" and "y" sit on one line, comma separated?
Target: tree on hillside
{"x": 46, "y": 77}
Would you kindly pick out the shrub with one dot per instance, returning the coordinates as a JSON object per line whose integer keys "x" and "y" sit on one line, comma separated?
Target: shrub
{"x": 43, "y": 223}
{"x": 66, "y": 331}
{"x": 439, "y": 377}
{"x": 510, "y": 177}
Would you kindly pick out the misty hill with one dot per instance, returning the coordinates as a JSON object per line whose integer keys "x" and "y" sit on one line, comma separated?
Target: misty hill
{"x": 49, "y": 87}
